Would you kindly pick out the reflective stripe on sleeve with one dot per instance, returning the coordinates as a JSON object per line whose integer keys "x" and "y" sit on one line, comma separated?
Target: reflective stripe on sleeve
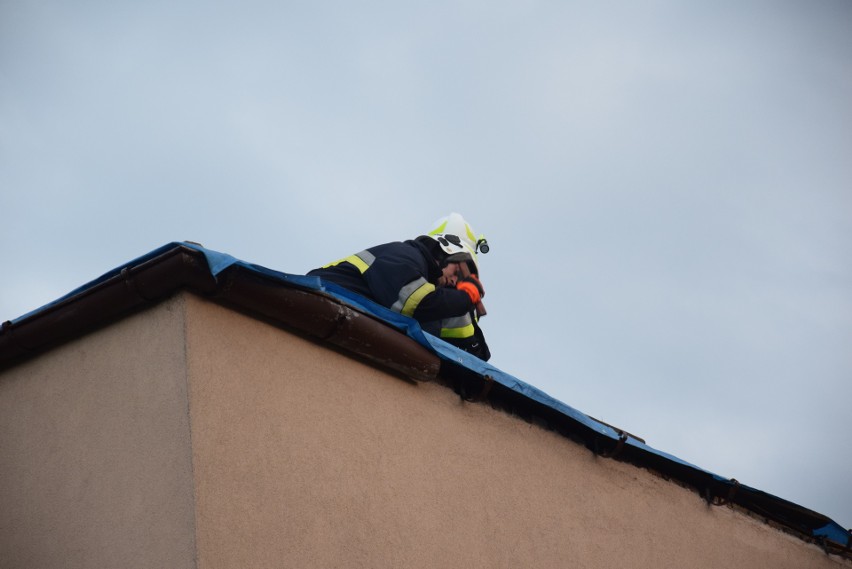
{"x": 410, "y": 296}
{"x": 458, "y": 327}
{"x": 362, "y": 261}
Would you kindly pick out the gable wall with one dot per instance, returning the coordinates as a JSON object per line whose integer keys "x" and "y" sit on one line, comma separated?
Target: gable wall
{"x": 306, "y": 458}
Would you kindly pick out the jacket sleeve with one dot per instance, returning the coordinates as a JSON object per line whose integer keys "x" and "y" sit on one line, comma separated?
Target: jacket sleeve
{"x": 397, "y": 283}
{"x": 463, "y": 332}
{"x": 443, "y": 303}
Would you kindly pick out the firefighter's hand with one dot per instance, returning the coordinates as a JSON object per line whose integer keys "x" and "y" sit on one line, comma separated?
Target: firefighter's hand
{"x": 471, "y": 285}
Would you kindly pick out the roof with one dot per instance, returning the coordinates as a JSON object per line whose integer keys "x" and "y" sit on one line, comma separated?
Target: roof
{"x": 329, "y": 313}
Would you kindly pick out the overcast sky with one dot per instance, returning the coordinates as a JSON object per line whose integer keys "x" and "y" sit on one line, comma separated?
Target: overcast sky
{"x": 667, "y": 188}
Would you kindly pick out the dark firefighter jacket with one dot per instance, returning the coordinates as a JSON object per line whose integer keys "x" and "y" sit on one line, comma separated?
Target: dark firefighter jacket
{"x": 401, "y": 276}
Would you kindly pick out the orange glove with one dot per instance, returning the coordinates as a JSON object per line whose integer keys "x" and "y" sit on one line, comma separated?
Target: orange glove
{"x": 471, "y": 285}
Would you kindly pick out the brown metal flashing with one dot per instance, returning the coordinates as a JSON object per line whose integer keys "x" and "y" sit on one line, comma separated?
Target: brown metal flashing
{"x": 102, "y": 303}
{"x": 327, "y": 319}
{"x": 183, "y": 268}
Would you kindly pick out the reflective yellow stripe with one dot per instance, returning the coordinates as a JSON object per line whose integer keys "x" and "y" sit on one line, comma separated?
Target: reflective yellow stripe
{"x": 439, "y": 229}
{"x": 358, "y": 262}
{"x": 415, "y": 297}
{"x": 361, "y": 261}
{"x": 457, "y": 327}
{"x": 470, "y": 234}
{"x": 463, "y": 332}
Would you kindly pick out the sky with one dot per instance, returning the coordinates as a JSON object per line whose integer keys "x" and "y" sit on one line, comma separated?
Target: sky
{"x": 666, "y": 186}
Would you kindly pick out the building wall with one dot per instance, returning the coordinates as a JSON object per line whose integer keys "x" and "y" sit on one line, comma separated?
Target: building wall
{"x": 304, "y": 457}
{"x": 95, "y": 461}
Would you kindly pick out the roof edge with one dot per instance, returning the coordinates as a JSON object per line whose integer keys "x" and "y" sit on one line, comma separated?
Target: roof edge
{"x": 157, "y": 276}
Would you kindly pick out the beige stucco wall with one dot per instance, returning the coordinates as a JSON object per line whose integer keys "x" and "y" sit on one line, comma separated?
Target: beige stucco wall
{"x": 95, "y": 462}
{"x": 193, "y": 436}
{"x": 306, "y": 458}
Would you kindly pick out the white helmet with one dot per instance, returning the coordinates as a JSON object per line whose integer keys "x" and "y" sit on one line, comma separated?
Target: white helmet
{"x": 454, "y": 230}
{"x": 455, "y": 224}
{"x": 457, "y": 251}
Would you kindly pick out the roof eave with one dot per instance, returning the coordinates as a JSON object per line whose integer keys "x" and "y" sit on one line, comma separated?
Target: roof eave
{"x": 138, "y": 286}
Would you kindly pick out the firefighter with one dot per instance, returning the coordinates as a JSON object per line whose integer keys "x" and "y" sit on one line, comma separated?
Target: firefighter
{"x": 422, "y": 278}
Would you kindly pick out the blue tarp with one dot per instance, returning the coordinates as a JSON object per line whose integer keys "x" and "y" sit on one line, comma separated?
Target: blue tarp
{"x": 219, "y": 262}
